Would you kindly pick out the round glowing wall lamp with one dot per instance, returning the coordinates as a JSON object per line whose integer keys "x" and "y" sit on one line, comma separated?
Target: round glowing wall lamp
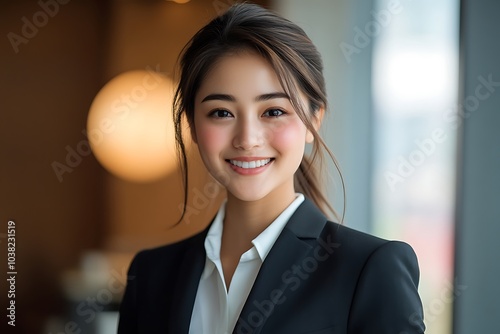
{"x": 130, "y": 126}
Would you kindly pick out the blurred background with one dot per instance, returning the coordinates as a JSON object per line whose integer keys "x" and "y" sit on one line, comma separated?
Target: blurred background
{"x": 414, "y": 111}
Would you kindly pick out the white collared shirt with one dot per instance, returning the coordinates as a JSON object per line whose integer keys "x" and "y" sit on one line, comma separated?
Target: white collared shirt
{"x": 216, "y": 310}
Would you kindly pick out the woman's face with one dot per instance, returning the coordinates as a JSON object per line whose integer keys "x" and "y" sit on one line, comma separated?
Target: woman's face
{"x": 249, "y": 136}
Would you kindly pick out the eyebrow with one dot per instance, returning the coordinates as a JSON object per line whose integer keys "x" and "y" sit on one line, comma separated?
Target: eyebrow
{"x": 230, "y": 98}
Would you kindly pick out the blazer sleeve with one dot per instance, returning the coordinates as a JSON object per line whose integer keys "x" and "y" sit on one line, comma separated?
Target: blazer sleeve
{"x": 386, "y": 299}
{"x": 127, "y": 323}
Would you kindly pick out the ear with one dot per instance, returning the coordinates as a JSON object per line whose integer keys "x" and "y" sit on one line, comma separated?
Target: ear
{"x": 316, "y": 121}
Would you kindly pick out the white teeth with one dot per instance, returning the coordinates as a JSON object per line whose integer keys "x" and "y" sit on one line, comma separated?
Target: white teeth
{"x": 250, "y": 164}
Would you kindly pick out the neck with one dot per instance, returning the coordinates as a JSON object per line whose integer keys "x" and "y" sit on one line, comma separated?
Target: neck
{"x": 245, "y": 220}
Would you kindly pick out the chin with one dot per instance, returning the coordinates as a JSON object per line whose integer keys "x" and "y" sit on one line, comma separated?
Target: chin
{"x": 248, "y": 195}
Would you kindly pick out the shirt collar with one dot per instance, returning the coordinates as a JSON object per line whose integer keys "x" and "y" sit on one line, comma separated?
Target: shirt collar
{"x": 265, "y": 240}
{"x": 262, "y": 243}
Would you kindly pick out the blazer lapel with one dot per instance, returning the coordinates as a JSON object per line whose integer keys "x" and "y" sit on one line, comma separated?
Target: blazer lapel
{"x": 290, "y": 249}
{"x": 188, "y": 278}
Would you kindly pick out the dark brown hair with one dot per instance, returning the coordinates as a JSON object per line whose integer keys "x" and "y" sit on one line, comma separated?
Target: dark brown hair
{"x": 298, "y": 65}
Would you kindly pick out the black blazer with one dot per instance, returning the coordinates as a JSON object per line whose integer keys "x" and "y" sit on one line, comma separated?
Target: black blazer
{"x": 320, "y": 277}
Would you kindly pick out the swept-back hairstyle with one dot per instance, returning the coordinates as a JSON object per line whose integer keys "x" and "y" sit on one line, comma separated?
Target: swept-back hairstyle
{"x": 298, "y": 65}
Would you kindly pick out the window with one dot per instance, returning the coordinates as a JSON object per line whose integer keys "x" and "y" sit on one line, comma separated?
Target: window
{"x": 415, "y": 90}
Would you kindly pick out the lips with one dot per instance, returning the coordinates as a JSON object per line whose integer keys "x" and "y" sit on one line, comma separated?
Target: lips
{"x": 250, "y": 164}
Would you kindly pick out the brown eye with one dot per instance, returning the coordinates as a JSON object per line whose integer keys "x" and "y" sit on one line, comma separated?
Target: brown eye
{"x": 220, "y": 113}
{"x": 274, "y": 112}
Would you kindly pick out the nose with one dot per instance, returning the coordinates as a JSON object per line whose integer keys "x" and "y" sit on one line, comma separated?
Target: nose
{"x": 249, "y": 134}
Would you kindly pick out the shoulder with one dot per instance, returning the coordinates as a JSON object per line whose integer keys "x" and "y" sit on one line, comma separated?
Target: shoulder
{"x": 167, "y": 255}
{"x": 309, "y": 223}
{"x": 363, "y": 246}
{"x": 368, "y": 257}
{"x": 384, "y": 277}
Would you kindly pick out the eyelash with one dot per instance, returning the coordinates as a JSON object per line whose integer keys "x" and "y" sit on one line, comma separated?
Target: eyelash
{"x": 215, "y": 113}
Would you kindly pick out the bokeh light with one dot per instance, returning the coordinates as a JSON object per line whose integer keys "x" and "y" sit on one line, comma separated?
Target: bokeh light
{"x": 130, "y": 127}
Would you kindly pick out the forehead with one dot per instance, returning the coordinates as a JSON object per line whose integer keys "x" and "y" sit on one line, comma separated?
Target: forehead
{"x": 240, "y": 74}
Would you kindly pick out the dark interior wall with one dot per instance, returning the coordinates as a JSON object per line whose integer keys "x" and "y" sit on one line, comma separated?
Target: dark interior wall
{"x": 47, "y": 82}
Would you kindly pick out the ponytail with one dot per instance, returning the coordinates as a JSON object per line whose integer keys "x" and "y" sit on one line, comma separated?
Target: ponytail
{"x": 308, "y": 181}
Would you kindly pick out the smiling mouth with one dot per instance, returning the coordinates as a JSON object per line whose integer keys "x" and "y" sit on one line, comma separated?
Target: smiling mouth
{"x": 250, "y": 164}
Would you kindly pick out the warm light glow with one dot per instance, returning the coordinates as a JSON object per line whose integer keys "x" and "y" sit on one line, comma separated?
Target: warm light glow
{"x": 130, "y": 126}
{"x": 180, "y": 1}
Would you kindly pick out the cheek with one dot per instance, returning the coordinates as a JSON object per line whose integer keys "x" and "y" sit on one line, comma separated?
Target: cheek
{"x": 210, "y": 138}
{"x": 289, "y": 135}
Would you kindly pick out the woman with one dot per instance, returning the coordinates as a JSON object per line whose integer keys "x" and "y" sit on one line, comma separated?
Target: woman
{"x": 253, "y": 93}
